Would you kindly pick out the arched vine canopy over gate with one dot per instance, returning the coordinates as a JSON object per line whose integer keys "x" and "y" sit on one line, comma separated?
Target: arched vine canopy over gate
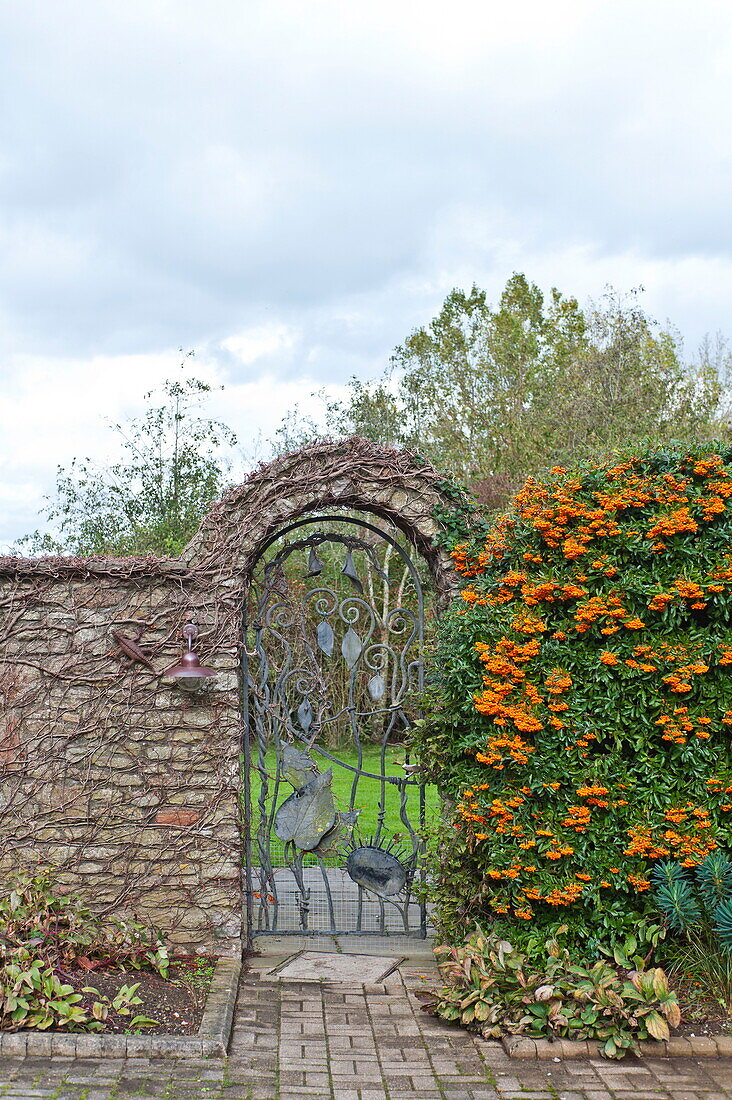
{"x": 338, "y": 547}
{"x": 356, "y": 474}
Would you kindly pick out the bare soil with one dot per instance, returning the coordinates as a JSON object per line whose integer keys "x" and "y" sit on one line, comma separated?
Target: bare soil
{"x": 700, "y": 1015}
{"x": 176, "y": 1003}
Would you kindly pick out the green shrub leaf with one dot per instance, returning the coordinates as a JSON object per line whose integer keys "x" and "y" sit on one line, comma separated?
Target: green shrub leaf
{"x": 656, "y": 1025}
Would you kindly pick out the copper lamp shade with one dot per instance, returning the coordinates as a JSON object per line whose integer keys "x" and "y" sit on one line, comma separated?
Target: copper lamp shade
{"x": 189, "y": 674}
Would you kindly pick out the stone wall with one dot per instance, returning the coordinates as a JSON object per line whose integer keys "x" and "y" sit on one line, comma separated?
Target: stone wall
{"x": 128, "y": 785}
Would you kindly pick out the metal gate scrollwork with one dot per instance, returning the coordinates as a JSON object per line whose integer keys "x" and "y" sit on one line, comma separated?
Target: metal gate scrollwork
{"x": 334, "y": 640}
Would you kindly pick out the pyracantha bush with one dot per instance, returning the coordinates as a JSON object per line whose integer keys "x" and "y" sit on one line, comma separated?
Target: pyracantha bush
{"x": 584, "y": 699}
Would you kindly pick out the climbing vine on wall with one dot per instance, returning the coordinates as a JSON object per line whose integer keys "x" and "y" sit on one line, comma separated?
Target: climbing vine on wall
{"x": 105, "y": 774}
{"x": 584, "y": 707}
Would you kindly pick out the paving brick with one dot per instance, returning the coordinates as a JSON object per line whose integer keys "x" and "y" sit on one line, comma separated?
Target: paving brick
{"x": 648, "y": 1093}
{"x": 354, "y": 1044}
{"x": 431, "y": 1095}
{"x": 316, "y": 1077}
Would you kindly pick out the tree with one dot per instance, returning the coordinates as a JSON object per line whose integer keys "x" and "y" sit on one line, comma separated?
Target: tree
{"x": 630, "y": 383}
{"x": 494, "y": 394}
{"x": 153, "y": 499}
{"x": 479, "y": 383}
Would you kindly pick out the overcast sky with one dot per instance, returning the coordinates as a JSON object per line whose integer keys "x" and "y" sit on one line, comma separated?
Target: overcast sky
{"x": 291, "y": 186}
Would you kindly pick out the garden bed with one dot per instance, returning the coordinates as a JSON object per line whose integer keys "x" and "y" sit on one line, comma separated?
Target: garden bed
{"x": 186, "y": 1035}
{"x": 175, "y": 1003}
{"x": 705, "y": 1030}
{"x": 701, "y": 1016}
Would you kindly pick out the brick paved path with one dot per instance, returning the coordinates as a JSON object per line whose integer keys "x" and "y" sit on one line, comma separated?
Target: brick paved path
{"x": 296, "y": 1040}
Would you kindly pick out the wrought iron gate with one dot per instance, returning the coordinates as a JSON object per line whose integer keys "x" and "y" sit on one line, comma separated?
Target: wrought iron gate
{"x": 333, "y": 652}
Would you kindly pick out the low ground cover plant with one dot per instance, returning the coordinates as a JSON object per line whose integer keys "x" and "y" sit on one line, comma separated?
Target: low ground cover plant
{"x": 44, "y": 936}
{"x": 495, "y": 989}
{"x": 582, "y": 715}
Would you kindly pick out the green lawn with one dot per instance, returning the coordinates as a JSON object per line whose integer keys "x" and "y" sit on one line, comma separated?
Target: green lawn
{"x": 368, "y": 792}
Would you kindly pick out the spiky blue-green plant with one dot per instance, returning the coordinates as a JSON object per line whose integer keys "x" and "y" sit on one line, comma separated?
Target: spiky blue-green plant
{"x": 722, "y": 924}
{"x": 679, "y": 906}
{"x": 667, "y": 873}
{"x": 698, "y": 904}
{"x": 714, "y": 879}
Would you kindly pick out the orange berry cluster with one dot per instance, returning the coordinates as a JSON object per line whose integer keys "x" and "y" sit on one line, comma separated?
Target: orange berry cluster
{"x": 690, "y": 847}
{"x": 678, "y": 726}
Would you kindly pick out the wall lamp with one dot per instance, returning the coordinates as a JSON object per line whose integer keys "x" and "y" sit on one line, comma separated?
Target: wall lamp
{"x": 189, "y": 674}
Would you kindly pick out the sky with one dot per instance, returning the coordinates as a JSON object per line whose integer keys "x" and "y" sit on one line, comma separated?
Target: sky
{"x": 290, "y": 187}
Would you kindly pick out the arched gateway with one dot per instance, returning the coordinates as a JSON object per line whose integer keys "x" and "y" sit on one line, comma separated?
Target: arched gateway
{"x": 308, "y": 585}
{"x": 336, "y": 545}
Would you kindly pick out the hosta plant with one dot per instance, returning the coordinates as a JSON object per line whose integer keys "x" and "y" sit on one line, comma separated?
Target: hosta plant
{"x": 495, "y": 989}
{"x": 32, "y": 995}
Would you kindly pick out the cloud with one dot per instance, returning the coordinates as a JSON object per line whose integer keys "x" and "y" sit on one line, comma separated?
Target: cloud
{"x": 53, "y": 414}
{"x": 291, "y": 188}
{"x": 172, "y": 171}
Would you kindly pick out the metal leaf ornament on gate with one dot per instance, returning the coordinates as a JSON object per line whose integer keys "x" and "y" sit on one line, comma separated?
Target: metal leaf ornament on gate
{"x": 376, "y": 686}
{"x": 307, "y": 815}
{"x": 337, "y": 632}
{"x": 351, "y": 648}
{"x": 325, "y": 637}
{"x": 349, "y": 570}
{"x": 296, "y": 767}
{"x": 315, "y": 565}
{"x": 334, "y": 842}
{"x": 305, "y": 715}
{"x": 377, "y": 870}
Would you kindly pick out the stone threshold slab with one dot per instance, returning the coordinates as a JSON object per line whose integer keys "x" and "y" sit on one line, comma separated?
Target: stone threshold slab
{"x": 211, "y": 1039}
{"x": 711, "y": 1046}
{"x": 285, "y": 944}
{"x": 341, "y": 967}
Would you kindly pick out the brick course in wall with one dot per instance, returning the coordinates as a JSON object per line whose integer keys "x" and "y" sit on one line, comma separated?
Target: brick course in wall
{"x": 127, "y": 785}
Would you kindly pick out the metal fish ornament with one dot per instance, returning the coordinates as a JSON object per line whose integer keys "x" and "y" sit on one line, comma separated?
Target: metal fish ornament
{"x": 131, "y": 649}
